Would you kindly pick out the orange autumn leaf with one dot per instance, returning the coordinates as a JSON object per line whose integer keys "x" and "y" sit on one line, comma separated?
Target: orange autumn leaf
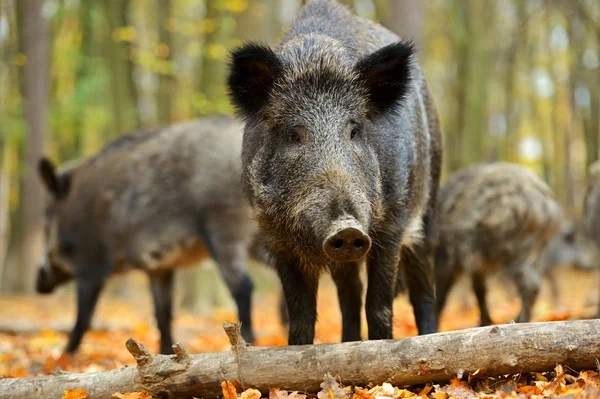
{"x": 132, "y": 395}
{"x": 529, "y": 389}
{"x": 78, "y": 393}
{"x": 404, "y": 393}
{"x": 360, "y": 393}
{"x": 229, "y": 391}
{"x": 425, "y": 391}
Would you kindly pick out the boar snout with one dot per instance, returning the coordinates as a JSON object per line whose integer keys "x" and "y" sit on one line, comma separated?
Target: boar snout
{"x": 45, "y": 283}
{"x": 347, "y": 242}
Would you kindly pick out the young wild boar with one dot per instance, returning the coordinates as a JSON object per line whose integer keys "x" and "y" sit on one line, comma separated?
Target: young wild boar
{"x": 497, "y": 215}
{"x": 592, "y": 207}
{"x": 153, "y": 200}
{"x": 341, "y": 163}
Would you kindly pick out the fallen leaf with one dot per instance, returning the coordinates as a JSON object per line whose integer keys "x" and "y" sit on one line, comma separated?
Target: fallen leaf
{"x": 425, "y": 391}
{"x": 78, "y": 393}
{"x": 360, "y": 393}
{"x": 132, "y": 395}
{"x": 330, "y": 389}
{"x": 229, "y": 391}
{"x": 251, "y": 394}
{"x": 529, "y": 389}
{"x": 403, "y": 393}
{"x": 457, "y": 388}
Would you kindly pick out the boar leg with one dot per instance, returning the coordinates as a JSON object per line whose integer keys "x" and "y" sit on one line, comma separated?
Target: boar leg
{"x": 445, "y": 274}
{"x": 349, "y": 287}
{"x": 420, "y": 279}
{"x": 528, "y": 285}
{"x": 162, "y": 292}
{"x": 300, "y": 290}
{"x": 382, "y": 268}
{"x": 232, "y": 257}
{"x": 88, "y": 291}
{"x": 478, "y": 280}
{"x": 283, "y": 311}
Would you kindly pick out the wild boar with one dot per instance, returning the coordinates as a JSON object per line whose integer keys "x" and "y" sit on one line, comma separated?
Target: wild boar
{"x": 153, "y": 200}
{"x": 341, "y": 163}
{"x": 497, "y": 216}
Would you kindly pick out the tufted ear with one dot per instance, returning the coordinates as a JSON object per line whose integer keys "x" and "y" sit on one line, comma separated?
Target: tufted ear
{"x": 57, "y": 186}
{"x": 386, "y": 75}
{"x": 252, "y": 72}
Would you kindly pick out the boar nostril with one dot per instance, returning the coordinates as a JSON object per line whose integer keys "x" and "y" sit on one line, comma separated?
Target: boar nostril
{"x": 347, "y": 244}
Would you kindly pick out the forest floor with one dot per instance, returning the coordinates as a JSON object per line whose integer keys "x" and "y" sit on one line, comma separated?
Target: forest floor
{"x": 33, "y": 332}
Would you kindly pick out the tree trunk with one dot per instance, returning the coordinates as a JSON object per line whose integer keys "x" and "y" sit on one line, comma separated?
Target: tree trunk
{"x": 406, "y": 19}
{"x": 214, "y": 70}
{"x": 511, "y": 106}
{"x": 165, "y": 81}
{"x": 123, "y": 90}
{"x": 4, "y": 208}
{"x": 259, "y": 22}
{"x": 36, "y": 96}
{"x": 497, "y": 350}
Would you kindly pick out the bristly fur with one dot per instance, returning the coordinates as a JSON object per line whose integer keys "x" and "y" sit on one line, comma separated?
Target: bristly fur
{"x": 496, "y": 215}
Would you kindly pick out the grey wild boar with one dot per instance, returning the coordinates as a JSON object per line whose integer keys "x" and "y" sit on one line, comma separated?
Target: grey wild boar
{"x": 152, "y": 200}
{"x": 592, "y": 207}
{"x": 341, "y": 163}
{"x": 494, "y": 216}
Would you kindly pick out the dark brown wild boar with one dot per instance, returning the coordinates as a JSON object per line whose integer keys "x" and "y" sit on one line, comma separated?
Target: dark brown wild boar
{"x": 153, "y": 200}
{"x": 341, "y": 163}
{"x": 494, "y": 216}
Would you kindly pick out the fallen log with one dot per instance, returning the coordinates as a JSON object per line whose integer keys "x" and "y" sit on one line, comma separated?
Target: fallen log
{"x": 490, "y": 351}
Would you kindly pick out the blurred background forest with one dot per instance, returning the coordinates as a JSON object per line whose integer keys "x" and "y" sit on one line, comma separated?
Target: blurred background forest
{"x": 515, "y": 80}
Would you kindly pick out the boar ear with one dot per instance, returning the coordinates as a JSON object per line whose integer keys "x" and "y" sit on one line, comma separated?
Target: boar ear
{"x": 252, "y": 72}
{"x": 386, "y": 74}
{"x": 48, "y": 174}
{"x": 58, "y": 186}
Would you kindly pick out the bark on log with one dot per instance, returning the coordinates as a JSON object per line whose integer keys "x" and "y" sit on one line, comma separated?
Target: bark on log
{"x": 497, "y": 350}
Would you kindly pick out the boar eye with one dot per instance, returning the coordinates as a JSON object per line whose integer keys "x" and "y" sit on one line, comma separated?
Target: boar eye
{"x": 356, "y": 130}
{"x": 294, "y": 136}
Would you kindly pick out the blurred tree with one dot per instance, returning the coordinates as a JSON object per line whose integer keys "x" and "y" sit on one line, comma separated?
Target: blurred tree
{"x": 123, "y": 89}
{"x": 590, "y": 78}
{"x": 220, "y": 26}
{"x": 35, "y": 46}
{"x": 259, "y": 22}
{"x": 4, "y": 208}
{"x": 518, "y": 40}
{"x": 406, "y": 18}
{"x": 166, "y": 82}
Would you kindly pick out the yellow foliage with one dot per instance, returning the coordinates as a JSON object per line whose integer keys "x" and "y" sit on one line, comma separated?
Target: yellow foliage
{"x": 207, "y": 25}
{"x": 148, "y": 60}
{"x": 162, "y": 50}
{"x": 216, "y": 51}
{"x": 237, "y": 6}
{"x": 124, "y": 34}
{"x": 20, "y": 59}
